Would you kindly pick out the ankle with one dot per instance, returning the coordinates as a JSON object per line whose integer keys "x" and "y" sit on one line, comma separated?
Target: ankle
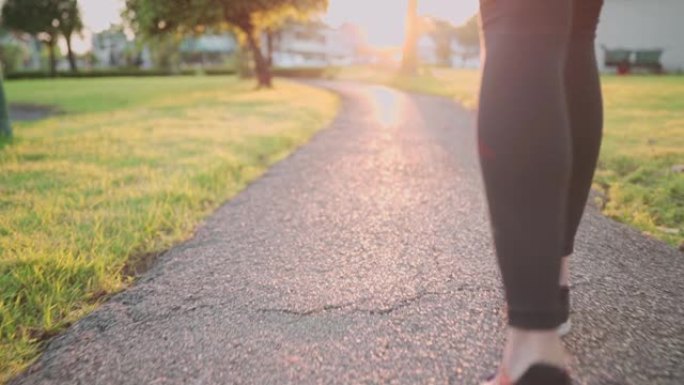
{"x": 525, "y": 348}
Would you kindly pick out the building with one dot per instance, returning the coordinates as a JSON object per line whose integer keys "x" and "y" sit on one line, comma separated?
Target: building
{"x": 312, "y": 44}
{"x": 110, "y": 48}
{"x": 427, "y": 50}
{"x": 209, "y": 49}
{"x": 643, "y": 25}
{"x": 464, "y": 56}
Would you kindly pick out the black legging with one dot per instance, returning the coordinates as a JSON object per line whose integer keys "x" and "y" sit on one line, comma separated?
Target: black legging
{"x": 540, "y": 125}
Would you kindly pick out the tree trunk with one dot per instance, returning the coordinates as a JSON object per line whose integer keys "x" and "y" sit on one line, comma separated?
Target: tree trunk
{"x": 269, "y": 48}
{"x": 70, "y": 54}
{"x": 5, "y": 126}
{"x": 53, "y": 57}
{"x": 409, "y": 64}
{"x": 263, "y": 71}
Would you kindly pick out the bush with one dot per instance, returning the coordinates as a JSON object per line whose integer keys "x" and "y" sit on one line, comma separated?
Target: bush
{"x": 11, "y": 56}
{"x": 301, "y": 72}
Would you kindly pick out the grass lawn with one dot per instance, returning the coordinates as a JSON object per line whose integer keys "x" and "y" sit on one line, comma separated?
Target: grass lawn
{"x": 129, "y": 170}
{"x": 644, "y": 139}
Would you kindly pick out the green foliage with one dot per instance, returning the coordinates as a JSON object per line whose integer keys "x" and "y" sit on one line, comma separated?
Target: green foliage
{"x": 34, "y": 17}
{"x": 123, "y": 175}
{"x": 468, "y": 34}
{"x": 442, "y": 33}
{"x": 46, "y": 20}
{"x": 11, "y": 57}
{"x": 69, "y": 17}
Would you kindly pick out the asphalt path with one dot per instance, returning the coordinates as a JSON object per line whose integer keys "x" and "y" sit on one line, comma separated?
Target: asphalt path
{"x": 365, "y": 258}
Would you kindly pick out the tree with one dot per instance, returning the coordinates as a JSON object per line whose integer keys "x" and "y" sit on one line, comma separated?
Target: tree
{"x": 409, "y": 63}
{"x": 247, "y": 17}
{"x": 69, "y": 23}
{"x": 442, "y": 33}
{"x": 468, "y": 36}
{"x": 37, "y": 18}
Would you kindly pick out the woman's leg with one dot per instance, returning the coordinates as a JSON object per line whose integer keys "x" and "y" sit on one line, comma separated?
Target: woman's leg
{"x": 585, "y": 108}
{"x": 525, "y": 149}
{"x": 526, "y": 154}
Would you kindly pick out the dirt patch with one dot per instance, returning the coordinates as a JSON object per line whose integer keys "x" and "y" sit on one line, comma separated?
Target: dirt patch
{"x": 24, "y": 112}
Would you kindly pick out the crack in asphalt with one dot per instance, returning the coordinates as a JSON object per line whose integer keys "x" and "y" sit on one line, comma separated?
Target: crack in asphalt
{"x": 371, "y": 311}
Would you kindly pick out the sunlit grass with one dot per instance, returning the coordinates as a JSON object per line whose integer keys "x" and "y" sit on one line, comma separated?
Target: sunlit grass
{"x": 644, "y": 139}
{"x": 129, "y": 172}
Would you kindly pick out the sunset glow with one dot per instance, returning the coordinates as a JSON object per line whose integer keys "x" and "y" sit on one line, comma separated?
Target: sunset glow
{"x": 383, "y": 20}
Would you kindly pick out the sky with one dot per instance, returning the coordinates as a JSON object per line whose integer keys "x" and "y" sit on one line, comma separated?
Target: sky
{"x": 382, "y": 19}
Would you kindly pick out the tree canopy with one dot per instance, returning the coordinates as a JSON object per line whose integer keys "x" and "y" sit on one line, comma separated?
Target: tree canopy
{"x": 69, "y": 23}
{"x": 442, "y": 33}
{"x": 35, "y": 17}
{"x": 468, "y": 34}
{"x": 44, "y": 19}
{"x": 248, "y": 17}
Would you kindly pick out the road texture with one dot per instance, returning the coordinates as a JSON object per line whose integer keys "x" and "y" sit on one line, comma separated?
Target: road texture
{"x": 365, "y": 258}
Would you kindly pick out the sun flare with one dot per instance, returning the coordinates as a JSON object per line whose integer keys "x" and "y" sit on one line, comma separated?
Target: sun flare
{"x": 382, "y": 21}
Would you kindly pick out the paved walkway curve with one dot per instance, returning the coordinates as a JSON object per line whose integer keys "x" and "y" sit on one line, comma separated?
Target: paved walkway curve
{"x": 364, "y": 258}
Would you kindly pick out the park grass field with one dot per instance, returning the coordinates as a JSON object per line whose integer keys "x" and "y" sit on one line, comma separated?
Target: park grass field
{"x": 644, "y": 140}
{"x": 128, "y": 169}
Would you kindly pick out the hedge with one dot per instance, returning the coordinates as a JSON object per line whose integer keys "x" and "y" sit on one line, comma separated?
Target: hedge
{"x": 298, "y": 72}
{"x": 116, "y": 73}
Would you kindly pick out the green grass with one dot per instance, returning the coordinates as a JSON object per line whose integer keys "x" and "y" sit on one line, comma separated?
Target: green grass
{"x": 131, "y": 169}
{"x": 644, "y": 138}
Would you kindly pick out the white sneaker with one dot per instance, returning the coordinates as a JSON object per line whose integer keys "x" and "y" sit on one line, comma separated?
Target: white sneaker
{"x": 564, "y": 328}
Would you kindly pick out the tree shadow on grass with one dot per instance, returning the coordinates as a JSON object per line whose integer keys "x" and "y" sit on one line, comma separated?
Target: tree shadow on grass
{"x": 27, "y": 112}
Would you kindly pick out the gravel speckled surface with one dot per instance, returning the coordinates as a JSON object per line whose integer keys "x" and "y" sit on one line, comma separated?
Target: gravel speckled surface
{"x": 365, "y": 258}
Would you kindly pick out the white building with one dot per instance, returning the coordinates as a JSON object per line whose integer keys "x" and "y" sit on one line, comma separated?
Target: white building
{"x": 208, "y": 49}
{"x": 312, "y": 45}
{"x": 427, "y": 50}
{"x": 464, "y": 57}
{"x": 642, "y": 25}
{"x": 109, "y": 48}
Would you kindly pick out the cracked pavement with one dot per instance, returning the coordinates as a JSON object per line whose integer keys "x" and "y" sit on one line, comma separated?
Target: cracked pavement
{"x": 365, "y": 258}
